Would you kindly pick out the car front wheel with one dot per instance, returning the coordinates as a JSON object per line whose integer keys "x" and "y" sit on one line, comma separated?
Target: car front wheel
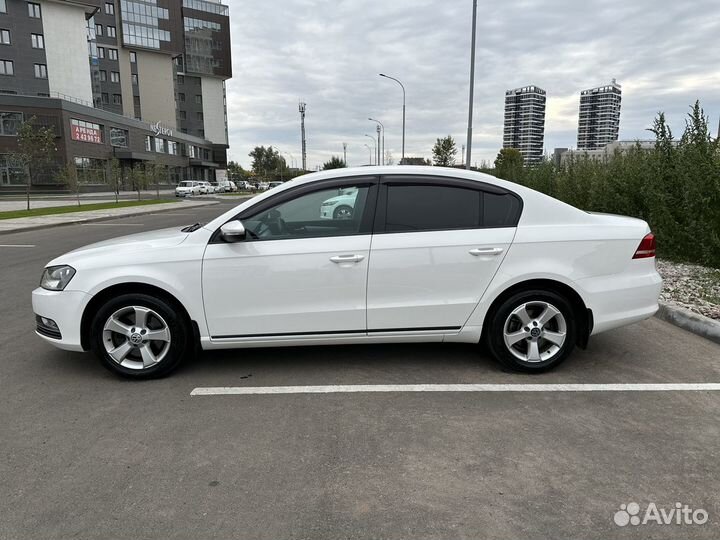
{"x": 532, "y": 331}
{"x": 140, "y": 336}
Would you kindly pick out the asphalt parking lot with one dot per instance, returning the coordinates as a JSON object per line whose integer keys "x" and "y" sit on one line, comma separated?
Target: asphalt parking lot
{"x": 87, "y": 455}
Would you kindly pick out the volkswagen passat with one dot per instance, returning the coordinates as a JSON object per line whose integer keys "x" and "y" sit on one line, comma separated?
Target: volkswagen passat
{"x": 427, "y": 254}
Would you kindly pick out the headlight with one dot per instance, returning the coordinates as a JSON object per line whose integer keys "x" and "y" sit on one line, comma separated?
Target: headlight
{"x": 56, "y": 278}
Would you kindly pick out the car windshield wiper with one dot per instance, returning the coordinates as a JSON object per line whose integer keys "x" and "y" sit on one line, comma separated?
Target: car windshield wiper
{"x": 191, "y": 228}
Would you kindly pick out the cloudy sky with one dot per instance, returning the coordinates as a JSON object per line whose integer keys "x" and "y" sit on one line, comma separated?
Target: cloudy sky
{"x": 328, "y": 53}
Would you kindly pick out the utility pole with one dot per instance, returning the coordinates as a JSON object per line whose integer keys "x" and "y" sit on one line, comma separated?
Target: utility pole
{"x": 301, "y": 108}
{"x": 472, "y": 86}
{"x": 345, "y": 153}
{"x": 379, "y": 159}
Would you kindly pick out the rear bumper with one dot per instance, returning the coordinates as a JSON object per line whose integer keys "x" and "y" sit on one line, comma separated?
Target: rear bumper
{"x": 65, "y": 308}
{"x": 622, "y": 299}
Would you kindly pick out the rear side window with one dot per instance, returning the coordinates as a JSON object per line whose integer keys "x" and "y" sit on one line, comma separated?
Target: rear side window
{"x": 431, "y": 208}
{"x": 500, "y": 210}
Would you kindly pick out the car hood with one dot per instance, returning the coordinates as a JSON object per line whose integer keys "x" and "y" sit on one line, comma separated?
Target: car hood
{"x": 145, "y": 241}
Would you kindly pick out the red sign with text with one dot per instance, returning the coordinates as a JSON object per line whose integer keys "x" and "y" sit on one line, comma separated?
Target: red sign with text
{"x": 86, "y": 134}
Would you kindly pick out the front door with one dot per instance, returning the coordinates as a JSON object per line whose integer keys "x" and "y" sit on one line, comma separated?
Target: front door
{"x": 302, "y": 269}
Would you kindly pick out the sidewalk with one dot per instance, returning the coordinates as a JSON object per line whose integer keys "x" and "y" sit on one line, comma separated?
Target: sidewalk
{"x": 44, "y": 222}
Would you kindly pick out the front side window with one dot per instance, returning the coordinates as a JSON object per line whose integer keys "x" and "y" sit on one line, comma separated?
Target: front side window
{"x": 412, "y": 208}
{"x": 328, "y": 212}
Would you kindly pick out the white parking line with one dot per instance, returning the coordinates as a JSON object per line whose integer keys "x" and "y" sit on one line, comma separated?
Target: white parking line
{"x": 18, "y": 245}
{"x": 356, "y": 388}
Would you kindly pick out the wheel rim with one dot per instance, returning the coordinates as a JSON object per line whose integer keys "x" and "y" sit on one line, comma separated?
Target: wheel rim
{"x": 535, "y": 332}
{"x": 343, "y": 213}
{"x": 136, "y": 337}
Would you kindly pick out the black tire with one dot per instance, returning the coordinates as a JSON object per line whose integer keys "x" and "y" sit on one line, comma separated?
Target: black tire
{"x": 181, "y": 336}
{"x": 337, "y": 214}
{"x": 495, "y": 337}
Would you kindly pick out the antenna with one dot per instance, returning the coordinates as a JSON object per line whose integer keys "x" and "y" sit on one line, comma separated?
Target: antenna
{"x": 301, "y": 108}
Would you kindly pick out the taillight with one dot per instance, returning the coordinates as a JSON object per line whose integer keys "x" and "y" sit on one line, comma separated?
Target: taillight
{"x": 646, "y": 248}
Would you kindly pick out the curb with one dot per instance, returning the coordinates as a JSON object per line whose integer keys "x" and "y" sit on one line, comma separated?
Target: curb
{"x": 692, "y": 322}
{"x": 103, "y": 218}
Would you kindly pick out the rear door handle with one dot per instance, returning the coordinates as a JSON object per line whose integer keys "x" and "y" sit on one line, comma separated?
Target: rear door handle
{"x": 338, "y": 259}
{"x": 486, "y": 251}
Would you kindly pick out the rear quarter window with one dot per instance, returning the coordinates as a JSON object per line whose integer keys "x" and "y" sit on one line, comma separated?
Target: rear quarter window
{"x": 500, "y": 210}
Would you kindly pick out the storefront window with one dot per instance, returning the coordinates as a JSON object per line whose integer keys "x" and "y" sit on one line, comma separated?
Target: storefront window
{"x": 10, "y": 122}
{"x": 10, "y": 174}
{"x": 91, "y": 170}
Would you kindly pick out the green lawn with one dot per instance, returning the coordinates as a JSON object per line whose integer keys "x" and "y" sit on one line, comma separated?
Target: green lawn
{"x": 34, "y": 212}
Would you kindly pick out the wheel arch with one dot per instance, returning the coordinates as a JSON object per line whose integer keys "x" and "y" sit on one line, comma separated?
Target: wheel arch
{"x": 583, "y": 314}
{"x": 111, "y": 291}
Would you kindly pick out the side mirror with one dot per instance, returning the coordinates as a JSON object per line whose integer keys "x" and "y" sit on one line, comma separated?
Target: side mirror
{"x": 233, "y": 231}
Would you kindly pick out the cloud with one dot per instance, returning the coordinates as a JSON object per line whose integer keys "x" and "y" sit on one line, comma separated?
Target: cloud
{"x": 329, "y": 53}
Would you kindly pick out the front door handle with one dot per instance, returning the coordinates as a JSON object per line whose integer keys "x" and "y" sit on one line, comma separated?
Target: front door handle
{"x": 486, "y": 251}
{"x": 339, "y": 259}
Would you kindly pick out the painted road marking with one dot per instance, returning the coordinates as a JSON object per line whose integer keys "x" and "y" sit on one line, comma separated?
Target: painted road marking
{"x": 18, "y": 245}
{"x": 358, "y": 388}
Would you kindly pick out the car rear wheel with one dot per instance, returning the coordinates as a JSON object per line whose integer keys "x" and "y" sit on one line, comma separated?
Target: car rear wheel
{"x": 140, "y": 336}
{"x": 532, "y": 331}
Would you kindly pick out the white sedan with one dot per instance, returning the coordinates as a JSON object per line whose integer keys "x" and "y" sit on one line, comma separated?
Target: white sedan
{"x": 427, "y": 255}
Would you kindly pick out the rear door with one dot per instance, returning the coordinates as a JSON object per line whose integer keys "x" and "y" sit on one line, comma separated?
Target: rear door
{"x": 436, "y": 246}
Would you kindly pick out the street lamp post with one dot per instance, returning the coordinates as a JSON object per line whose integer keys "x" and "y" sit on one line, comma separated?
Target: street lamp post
{"x": 380, "y": 125}
{"x": 370, "y": 153}
{"x": 403, "y": 121}
{"x": 472, "y": 87}
{"x": 374, "y": 144}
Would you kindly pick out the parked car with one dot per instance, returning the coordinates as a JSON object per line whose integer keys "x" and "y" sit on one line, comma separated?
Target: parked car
{"x": 244, "y": 185}
{"x": 427, "y": 254}
{"x": 207, "y": 188}
{"x": 262, "y": 186}
{"x": 188, "y": 188}
{"x": 274, "y": 185}
{"x": 341, "y": 206}
{"x": 225, "y": 186}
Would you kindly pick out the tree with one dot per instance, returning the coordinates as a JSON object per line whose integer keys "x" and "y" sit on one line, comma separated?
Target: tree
{"x": 444, "y": 152}
{"x": 334, "y": 163}
{"x": 154, "y": 174}
{"x": 414, "y": 161}
{"x": 509, "y": 164}
{"x": 236, "y": 173}
{"x": 68, "y": 175}
{"x": 266, "y": 161}
{"x": 35, "y": 150}
{"x": 115, "y": 177}
{"x": 139, "y": 178}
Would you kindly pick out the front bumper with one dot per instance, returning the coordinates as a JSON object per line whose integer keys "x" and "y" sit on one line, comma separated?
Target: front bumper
{"x": 65, "y": 308}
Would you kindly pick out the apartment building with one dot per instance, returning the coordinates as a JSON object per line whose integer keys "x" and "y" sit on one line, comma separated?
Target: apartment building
{"x": 524, "y": 125}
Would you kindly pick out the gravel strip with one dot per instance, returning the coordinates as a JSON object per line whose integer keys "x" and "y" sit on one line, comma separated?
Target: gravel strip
{"x": 691, "y": 286}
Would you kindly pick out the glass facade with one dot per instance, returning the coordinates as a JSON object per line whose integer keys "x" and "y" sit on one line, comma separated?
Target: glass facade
{"x": 141, "y": 25}
{"x": 208, "y": 7}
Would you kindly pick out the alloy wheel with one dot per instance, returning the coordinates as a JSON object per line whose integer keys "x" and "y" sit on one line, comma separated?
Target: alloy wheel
{"x": 535, "y": 332}
{"x": 136, "y": 337}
